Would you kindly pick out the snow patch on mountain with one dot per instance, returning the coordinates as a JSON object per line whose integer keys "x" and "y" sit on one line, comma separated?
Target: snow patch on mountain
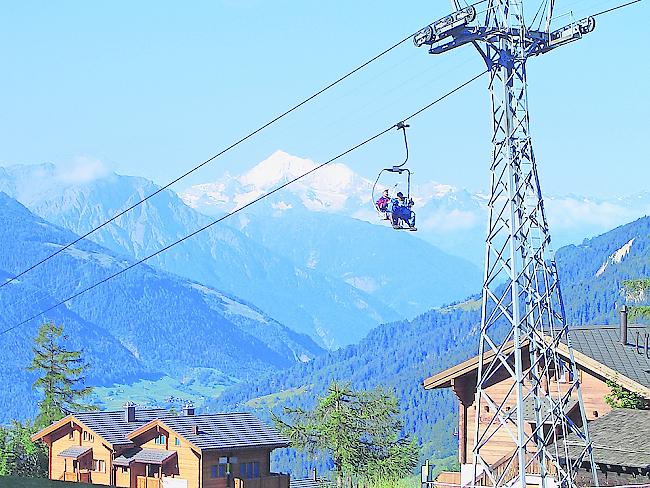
{"x": 616, "y": 257}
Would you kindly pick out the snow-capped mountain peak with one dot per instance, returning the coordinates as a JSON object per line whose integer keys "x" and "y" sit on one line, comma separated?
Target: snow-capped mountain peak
{"x": 278, "y": 168}
{"x": 335, "y": 188}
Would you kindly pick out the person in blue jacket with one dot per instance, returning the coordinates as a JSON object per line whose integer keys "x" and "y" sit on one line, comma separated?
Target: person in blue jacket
{"x": 401, "y": 210}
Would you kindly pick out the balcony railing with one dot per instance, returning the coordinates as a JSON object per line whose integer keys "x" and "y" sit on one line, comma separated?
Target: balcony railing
{"x": 146, "y": 482}
{"x": 272, "y": 481}
{"x": 68, "y": 476}
{"x": 507, "y": 469}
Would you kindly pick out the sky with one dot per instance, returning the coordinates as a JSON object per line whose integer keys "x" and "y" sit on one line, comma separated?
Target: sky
{"x": 152, "y": 88}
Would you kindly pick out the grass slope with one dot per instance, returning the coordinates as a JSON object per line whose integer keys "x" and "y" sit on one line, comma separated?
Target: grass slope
{"x": 15, "y": 482}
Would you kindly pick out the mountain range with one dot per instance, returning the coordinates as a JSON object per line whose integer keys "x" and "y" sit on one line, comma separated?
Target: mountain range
{"x": 335, "y": 285}
{"x": 145, "y": 323}
{"x": 453, "y": 219}
{"x": 289, "y": 253}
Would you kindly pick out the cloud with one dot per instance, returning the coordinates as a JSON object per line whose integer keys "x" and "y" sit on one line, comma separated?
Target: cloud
{"x": 83, "y": 169}
{"x": 571, "y": 213}
{"x": 451, "y": 221}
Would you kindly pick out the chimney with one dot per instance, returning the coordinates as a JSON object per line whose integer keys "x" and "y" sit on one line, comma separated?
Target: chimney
{"x": 623, "y": 334}
{"x": 129, "y": 412}
{"x": 195, "y": 429}
{"x": 188, "y": 409}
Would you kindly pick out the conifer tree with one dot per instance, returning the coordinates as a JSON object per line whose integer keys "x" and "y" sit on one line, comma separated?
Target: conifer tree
{"x": 636, "y": 292}
{"x": 61, "y": 377}
{"x": 360, "y": 430}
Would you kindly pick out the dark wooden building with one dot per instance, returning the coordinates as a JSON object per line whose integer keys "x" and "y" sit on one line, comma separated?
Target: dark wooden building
{"x": 602, "y": 353}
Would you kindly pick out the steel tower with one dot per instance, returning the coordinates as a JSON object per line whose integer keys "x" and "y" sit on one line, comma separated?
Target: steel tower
{"x": 524, "y": 335}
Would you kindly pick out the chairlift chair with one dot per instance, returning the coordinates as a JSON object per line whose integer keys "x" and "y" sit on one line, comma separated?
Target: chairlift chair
{"x": 399, "y": 169}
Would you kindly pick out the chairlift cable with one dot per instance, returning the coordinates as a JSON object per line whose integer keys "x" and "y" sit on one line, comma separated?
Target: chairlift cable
{"x": 233, "y": 212}
{"x": 209, "y": 160}
{"x": 615, "y": 8}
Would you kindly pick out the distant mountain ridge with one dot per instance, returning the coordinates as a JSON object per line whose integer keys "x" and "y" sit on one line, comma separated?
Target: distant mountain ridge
{"x": 453, "y": 219}
{"x": 221, "y": 256}
{"x": 141, "y": 324}
{"x": 362, "y": 276}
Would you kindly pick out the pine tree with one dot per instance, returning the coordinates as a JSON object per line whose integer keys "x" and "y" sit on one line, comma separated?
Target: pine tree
{"x": 360, "y": 430}
{"x": 61, "y": 375}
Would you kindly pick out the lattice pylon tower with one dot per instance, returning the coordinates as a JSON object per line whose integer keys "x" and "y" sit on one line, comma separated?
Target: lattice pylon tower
{"x": 521, "y": 300}
{"x": 524, "y": 340}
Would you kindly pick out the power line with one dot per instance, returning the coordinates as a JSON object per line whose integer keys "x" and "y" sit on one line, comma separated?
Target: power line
{"x": 217, "y": 155}
{"x": 230, "y": 214}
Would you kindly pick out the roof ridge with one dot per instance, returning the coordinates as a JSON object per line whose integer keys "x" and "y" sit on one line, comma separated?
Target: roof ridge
{"x": 606, "y": 327}
{"x": 120, "y": 411}
{"x": 216, "y": 414}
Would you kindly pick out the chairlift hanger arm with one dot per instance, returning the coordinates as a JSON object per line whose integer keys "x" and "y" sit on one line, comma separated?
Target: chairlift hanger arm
{"x": 403, "y": 126}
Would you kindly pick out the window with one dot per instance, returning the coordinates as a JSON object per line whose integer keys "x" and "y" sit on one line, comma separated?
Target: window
{"x": 249, "y": 470}
{"x": 160, "y": 439}
{"x": 177, "y": 441}
{"x": 87, "y": 436}
{"x": 219, "y": 470}
{"x": 99, "y": 465}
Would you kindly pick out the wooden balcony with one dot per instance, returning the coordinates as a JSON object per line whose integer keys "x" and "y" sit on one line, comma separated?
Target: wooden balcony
{"x": 445, "y": 479}
{"x": 146, "y": 482}
{"x": 68, "y": 476}
{"x": 76, "y": 476}
{"x": 271, "y": 481}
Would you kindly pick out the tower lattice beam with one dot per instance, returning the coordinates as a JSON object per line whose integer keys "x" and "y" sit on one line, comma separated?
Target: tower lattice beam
{"x": 523, "y": 326}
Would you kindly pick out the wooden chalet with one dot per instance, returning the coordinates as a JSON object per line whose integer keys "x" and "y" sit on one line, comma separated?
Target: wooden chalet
{"x": 602, "y": 353}
{"x": 155, "y": 449}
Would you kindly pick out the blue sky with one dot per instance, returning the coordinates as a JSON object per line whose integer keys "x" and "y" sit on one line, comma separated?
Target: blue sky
{"x": 153, "y": 88}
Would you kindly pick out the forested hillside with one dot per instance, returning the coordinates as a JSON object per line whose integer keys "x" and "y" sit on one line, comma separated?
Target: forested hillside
{"x": 142, "y": 324}
{"x": 592, "y": 272}
{"x": 396, "y": 356}
{"x": 401, "y": 354}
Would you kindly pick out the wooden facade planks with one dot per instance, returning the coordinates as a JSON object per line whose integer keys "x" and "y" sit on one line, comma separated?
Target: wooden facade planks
{"x": 594, "y": 390}
{"x": 70, "y": 435}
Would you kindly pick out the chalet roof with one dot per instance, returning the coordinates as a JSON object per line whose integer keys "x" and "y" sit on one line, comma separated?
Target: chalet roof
{"x": 75, "y": 452}
{"x": 140, "y": 455}
{"x": 226, "y": 431}
{"x": 596, "y": 348}
{"x": 215, "y": 431}
{"x": 620, "y": 438}
{"x": 113, "y": 427}
{"x": 602, "y": 344}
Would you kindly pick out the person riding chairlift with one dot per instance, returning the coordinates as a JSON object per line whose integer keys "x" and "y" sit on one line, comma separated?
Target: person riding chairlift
{"x": 401, "y": 210}
{"x": 382, "y": 203}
